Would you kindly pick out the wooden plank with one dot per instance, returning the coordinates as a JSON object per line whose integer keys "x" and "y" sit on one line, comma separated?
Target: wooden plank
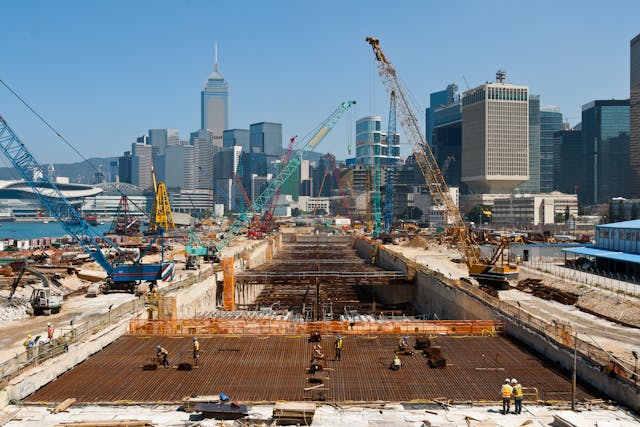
{"x": 127, "y": 423}
{"x": 64, "y": 405}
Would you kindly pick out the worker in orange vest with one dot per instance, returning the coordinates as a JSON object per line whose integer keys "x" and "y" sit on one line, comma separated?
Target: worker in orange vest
{"x": 506, "y": 396}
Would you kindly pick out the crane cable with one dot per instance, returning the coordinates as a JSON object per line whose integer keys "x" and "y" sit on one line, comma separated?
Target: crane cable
{"x": 59, "y": 135}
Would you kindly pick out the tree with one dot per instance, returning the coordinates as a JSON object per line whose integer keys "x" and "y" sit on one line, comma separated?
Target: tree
{"x": 295, "y": 212}
{"x": 559, "y": 218}
{"x": 476, "y": 214}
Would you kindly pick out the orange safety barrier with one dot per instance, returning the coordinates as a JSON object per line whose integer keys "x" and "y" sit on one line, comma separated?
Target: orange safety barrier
{"x": 290, "y": 327}
{"x": 228, "y": 288}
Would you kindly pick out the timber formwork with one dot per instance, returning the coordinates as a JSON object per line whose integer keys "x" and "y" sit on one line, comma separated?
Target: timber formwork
{"x": 267, "y": 368}
{"x": 328, "y": 278}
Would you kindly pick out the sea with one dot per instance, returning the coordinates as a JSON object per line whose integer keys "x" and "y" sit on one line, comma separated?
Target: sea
{"x": 33, "y": 230}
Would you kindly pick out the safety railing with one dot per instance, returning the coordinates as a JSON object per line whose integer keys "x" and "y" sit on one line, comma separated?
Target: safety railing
{"x": 203, "y": 327}
{"x": 44, "y": 350}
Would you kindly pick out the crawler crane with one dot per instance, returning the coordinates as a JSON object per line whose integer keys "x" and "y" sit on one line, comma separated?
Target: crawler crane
{"x": 121, "y": 275}
{"x": 485, "y": 270}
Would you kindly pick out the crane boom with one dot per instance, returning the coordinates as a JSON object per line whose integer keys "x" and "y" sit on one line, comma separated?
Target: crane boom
{"x": 245, "y": 217}
{"x": 390, "y": 169}
{"x": 434, "y": 179}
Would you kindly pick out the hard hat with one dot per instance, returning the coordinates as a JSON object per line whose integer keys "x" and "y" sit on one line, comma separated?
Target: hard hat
{"x": 29, "y": 336}
{"x": 195, "y": 339}
{"x": 514, "y": 381}
{"x": 158, "y": 347}
{"x": 406, "y": 338}
{"x": 48, "y": 323}
{"x": 506, "y": 380}
{"x": 339, "y": 337}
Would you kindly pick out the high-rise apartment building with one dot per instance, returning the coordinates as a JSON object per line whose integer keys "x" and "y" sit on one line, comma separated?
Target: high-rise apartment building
{"x": 266, "y": 137}
{"x": 214, "y": 105}
{"x": 495, "y": 137}
{"x": 533, "y": 184}
{"x": 605, "y": 132}
{"x": 141, "y": 155}
{"x": 550, "y": 123}
{"x": 236, "y": 137}
{"x": 634, "y": 119}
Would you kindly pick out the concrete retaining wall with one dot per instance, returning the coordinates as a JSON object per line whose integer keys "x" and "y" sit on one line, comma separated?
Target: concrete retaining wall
{"x": 436, "y": 297}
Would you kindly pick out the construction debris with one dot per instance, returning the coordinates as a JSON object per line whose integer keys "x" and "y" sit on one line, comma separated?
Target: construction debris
{"x": 189, "y": 403}
{"x": 536, "y": 288}
{"x": 222, "y": 411}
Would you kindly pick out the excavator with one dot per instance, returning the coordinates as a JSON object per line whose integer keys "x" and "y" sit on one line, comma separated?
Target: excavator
{"x": 493, "y": 271}
{"x": 43, "y": 300}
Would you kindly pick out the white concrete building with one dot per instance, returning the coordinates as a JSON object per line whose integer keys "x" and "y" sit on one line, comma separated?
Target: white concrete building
{"x": 495, "y": 137}
{"x": 533, "y": 209}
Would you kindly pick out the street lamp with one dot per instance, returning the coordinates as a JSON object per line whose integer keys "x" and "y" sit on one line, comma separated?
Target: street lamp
{"x": 110, "y": 307}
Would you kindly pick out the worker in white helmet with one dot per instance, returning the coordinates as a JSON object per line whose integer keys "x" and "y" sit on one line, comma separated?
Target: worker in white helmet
{"x": 517, "y": 396}
{"x": 196, "y": 350}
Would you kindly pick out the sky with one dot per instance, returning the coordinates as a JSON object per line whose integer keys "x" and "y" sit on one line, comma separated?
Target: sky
{"x": 104, "y": 72}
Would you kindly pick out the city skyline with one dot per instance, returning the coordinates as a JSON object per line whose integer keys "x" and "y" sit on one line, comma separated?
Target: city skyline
{"x": 105, "y": 73}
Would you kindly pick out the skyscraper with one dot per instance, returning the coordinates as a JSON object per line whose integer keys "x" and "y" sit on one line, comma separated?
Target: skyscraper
{"x": 124, "y": 167}
{"x": 203, "y": 152}
{"x": 214, "y": 105}
{"x": 570, "y": 176}
{"x": 437, "y": 100}
{"x": 550, "y": 123}
{"x": 446, "y": 140}
{"x": 605, "y": 132}
{"x": 236, "y": 137}
{"x": 141, "y": 155}
{"x": 533, "y": 184}
{"x": 634, "y": 119}
{"x": 495, "y": 137}
{"x": 159, "y": 140}
{"x": 369, "y": 140}
{"x": 266, "y": 137}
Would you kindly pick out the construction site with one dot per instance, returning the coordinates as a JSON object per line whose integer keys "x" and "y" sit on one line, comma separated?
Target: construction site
{"x": 255, "y": 321}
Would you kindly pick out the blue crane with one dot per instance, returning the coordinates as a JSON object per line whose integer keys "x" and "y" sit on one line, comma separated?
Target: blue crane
{"x": 308, "y": 143}
{"x": 120, "y": 275}
{"x": 390, "y": 170}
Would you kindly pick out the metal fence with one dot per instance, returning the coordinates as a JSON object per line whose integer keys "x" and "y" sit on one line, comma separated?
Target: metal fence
{"x": 622, "y": 284}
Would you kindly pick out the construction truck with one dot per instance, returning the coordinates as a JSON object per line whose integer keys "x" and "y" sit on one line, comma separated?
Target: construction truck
{"x": 482, "y": 269}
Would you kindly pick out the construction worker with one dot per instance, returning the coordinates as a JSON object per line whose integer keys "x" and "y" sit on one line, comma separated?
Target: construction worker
{"x": 196, "y": 350}
{"x": 506, "y": 396}
{"x": 162, "y": 354}
{"x": 395, "y": 365}
{"x": 338, "y": 347}
{"x": 28, "y": 345}
{"x": 50, "y": 333}
{"x": 403, "y": 344}
{"x": 517, "y": 396}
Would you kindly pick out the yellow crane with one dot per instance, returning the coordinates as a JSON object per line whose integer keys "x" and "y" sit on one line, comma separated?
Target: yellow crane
{"x": 161, "y": 215}
{"x": 479, "y": 267}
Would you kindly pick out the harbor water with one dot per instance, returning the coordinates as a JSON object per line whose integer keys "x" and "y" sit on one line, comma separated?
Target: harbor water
{"x": 21, "y": 230}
